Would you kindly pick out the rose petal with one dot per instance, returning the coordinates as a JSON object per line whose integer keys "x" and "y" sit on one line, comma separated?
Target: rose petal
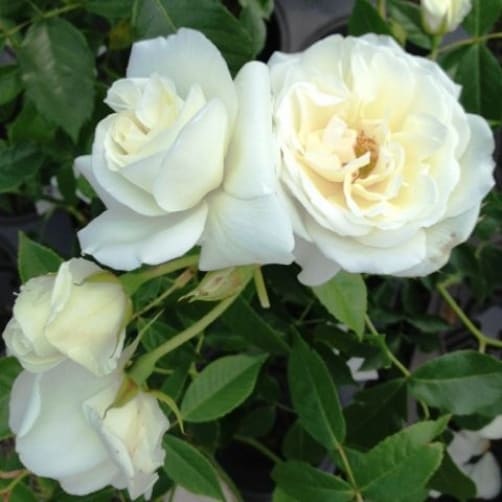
{"x": 194, "y": 165}
{"x": 355, "y": 257}
{"x": 486, "y": 476}
{"x": 316, "y": 268}
{"x": 91, "y": 480}
{"x": 493, "y": 430}
{"x": 476, "y": 167}
{"x": 250, "y": 162}
{"x": 187, "y": 58}
{"x": 59, "y": 442}
{"x": 241, "y": 232}
{"x": 440, "y": 240}
{"x": 124, "y": 240}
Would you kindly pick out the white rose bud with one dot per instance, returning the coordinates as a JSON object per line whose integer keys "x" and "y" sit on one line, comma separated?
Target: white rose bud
{"x": 382, "y": 169}
{"x": 186, "y": 158}
{"x": 66, "y": 430}
{"x": 79, "y": 313}
{"x": 442, "y": 16}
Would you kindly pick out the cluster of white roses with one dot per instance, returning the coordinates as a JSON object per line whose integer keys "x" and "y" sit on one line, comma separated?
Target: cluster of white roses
{"x": 68, "y": 332}
{"x": 352, "y": 154}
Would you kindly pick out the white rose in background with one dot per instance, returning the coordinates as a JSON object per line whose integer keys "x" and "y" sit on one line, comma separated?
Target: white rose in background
{"x": 186, "y": 158}
{"x": 470, "y": 450}
{"x": 442, "y": 16}
{"x": 79, "y": 313}
{"x": 64, "y": 431}
{"x": 383, "y": 170}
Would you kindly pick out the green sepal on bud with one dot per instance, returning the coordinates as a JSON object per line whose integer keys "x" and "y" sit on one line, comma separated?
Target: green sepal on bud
{"x": 221, "y": 284}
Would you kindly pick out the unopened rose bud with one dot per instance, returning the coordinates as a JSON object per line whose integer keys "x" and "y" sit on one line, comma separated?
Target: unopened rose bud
{"x": 442, "y": 16}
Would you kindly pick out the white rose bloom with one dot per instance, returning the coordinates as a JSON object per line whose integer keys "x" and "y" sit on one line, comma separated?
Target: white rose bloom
{"x": 64, "y": 432}
{"x": 442, "y": 16}
{"x": 186, "y": 158}
{"x": 484, "y": 471}
{"x": 79, "y": 313}
{"x": 382, "y": 169}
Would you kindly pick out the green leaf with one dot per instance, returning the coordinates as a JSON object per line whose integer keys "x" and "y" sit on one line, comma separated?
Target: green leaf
{"x": 314, "y": 396}
{"x": 258, "y": 422}
{"x": 243, "y": 320}
{"x": 409, "y": 17}
{"x": 253, "y": 23}
{"x": 376, "y": 413}
{"x": 480, "y": 75}
{"x": 220, "y": 387}
{"x": 57, "y": 69}
{"x": 18, "y": 163}
{"x": 463, "y": 383}
{"x": 163, "y": 17}
{"x": 10, "y": 83}
{"x": 299, "y": 445}
{"x": 30, "y": 125}
{"x": 304, "y": 482}
{"x": 345, "y": 297}
{"x": 9, "y": 369}
{"x": 186, "y": 466}
{"x": 111, "y": 9}
{"x": 366, "y": 19}
{"x": 450, "y": 480}
{"x": 399, "y": 467}
{"x": 35, "y": 259}
{"x": 483, "y": 16}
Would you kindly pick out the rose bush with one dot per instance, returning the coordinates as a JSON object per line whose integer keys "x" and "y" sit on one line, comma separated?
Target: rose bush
{"x": 186, "y": 158}
{"x": 79, "y": 313}
{"x": 383, "y": 170}
{"x": 442, "y": 16}
{"x": 66, "y": 430}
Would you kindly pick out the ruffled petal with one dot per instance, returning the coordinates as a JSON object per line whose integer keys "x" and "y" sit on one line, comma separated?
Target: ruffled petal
{"x": 243, "y": 232}
{"x": 193, "y": 167}
{"x": 250, "y": 163}
{"x": 187, "y": 57}
{"x": 124, "y": 240}
{"x": 316, "y": 268}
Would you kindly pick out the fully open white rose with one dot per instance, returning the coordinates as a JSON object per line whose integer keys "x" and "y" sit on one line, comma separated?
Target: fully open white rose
{"x": 383, "y": 170}
{"x": 186, "y": 158}
{"x": 78, "y": 313}
{"x": 442, "y": 16}
{"x": 64, "y": 432}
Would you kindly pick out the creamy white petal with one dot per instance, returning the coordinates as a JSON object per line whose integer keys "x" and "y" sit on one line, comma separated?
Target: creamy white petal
{"x": 187, "y": 57}
{"x": 493, "y": 430}
{"x": 441, "y": 239}
{"x": 91, "y": 480}
{"x": 245, "y": 231}
{"x": 486, "y": 476}
{"x": 466, "y": 444}
{"x": 356, "y": 257}
{"x": 476, "y": 167}
{"x": 316, "y": 268}
{"x": 59, "y": 441}
{"x": 250, "y": 169}
{"x": 193, "y": 167}
{"x": 112, "y": 181}
{"x": 24, "y": 405}
{"x": 124, "y": 240}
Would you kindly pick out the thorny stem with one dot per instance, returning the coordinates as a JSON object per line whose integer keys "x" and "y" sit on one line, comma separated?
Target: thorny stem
{"x": 483, "y": 340}
{"x": 146, "y": 363}
{"x": 382, "y": 8}
{"x": 10, "y": 487}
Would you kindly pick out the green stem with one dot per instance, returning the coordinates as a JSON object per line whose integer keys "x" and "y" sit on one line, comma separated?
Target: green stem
{"x": 133, "y": 280}
{"x": 482, "y": 339}
{"x": 395, "y": 361}
{"x": 436, "y": 41}
{"x": 258, "y": 446}
{"x": 44, "y": 15}
{"x": 145, "y": 365}
{"x": 468, "y": 41}
{"x": 348, "y": 470}
{"x": 382, "y": 8}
